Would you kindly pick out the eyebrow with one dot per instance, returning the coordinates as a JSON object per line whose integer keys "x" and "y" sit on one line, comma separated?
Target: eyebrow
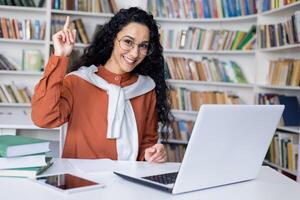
{"x": 146, "y": 41}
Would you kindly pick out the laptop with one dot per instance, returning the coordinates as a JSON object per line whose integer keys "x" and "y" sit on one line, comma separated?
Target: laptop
{"x": 227, "y": 145}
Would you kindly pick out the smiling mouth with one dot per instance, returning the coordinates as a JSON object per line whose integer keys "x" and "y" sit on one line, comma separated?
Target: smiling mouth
{"x": 128, "y": 60}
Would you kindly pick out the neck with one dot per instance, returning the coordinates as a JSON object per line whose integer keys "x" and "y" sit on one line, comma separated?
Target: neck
{"x": 110, "y": 66}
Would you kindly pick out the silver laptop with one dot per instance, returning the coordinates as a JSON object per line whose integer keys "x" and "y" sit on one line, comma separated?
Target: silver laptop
{"x": 227, "y": 145}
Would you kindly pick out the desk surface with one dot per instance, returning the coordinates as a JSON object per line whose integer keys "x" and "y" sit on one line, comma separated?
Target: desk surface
{"x": 269, "y": 185}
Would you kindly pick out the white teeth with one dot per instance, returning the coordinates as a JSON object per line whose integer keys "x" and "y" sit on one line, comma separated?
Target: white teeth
{"x": 128, "y": 59}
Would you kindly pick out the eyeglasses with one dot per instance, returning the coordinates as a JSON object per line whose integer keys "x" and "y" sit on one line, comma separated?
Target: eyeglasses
{"x": 127, "y": 44}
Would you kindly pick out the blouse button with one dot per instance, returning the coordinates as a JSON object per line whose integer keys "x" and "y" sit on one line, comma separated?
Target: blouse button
{"x": 117, "y": 78}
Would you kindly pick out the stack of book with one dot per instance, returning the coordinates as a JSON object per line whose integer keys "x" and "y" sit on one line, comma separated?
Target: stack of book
{"x": 23, "y": 156}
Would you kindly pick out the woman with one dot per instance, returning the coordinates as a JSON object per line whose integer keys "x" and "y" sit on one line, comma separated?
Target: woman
{"x": 115, "y": 95}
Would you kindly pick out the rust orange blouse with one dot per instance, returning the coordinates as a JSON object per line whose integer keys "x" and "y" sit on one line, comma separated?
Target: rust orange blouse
{"x": 58, "y": 99}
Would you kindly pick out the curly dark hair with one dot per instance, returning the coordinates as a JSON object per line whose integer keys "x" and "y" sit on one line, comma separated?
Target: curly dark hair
{"x": 101, "y": 47}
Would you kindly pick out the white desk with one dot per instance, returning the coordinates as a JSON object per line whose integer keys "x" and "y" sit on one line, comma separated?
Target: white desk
{"x": 270, "y": 185}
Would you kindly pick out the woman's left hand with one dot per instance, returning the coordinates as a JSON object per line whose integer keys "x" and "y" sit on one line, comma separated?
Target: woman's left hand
{"x": 156, "y": 154}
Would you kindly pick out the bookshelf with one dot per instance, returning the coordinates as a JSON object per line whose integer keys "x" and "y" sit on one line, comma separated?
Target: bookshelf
{"x": 282, "y": 157}
{"x": 258, "y": 58}
{"x": 254, "y": 62}
{"x": 13, "y": 48}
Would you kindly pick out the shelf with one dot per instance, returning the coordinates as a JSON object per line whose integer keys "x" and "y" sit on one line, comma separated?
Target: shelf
{"x": 184, "y": 115}
{"x": 35, "y": 42}
{"x": 293, "y": 129}
{"x": 279, "y": 87}
{"x": 81, "y": 13}
{"x": 280, "y": 168}
{"x": 277, "y": 10}
{"x": 173, "y": 141}
{"x": 224, "y": 84}
{"x": 207, "y": 20}
{"x": 186, "y": 112}
{"x": 280, "y": 48}
{"x": 78, "y": 45}
{"x": 248, "y": 52}
{"x": 19, "y": 72}
{"x": 23, "y": 9}
{"x": 18, "y": 121}
{"x": 17, "y": 105}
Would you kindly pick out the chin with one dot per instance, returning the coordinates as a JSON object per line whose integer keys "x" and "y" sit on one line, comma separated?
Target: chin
{"x": 128, "y": 68}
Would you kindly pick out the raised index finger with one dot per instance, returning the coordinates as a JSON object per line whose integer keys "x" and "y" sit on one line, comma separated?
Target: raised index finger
{"x": 67, "y": 23}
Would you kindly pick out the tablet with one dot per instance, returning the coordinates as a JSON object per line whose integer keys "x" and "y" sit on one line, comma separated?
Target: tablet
{"x": 68, "y": 183}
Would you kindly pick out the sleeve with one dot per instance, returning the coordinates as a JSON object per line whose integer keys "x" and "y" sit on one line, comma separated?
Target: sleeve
{"x": 52, "y": 100}
{"x": 150, "y": 136}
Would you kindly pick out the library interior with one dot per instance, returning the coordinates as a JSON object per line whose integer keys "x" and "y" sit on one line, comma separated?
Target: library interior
{"x": 233, "y": 52}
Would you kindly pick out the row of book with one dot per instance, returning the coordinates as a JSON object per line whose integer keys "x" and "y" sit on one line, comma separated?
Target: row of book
{"x": 22, "y": 156}
{"x": 184, "y": 99}
{"x": 175, "y": 152}
{"x": 201, "y": 8}
{"x": 24, "y": 3}
{"x": 7, "y": 64}
{"x": 11, "y": 93}
{"x": 98, "y": 6}
{"x": 32, "y": 60}
{"x": 284, "y": 72}
{"x": 22, "y": 29}
{"x": 57, "y": 24}
{"x": 195, "y": 38}
{"x": 284, "y": 33}
{"x": 283, "y": 151}
{"x": 291, "y": 113}
{"x": 211, "y": 70}
{"x": 181, "y": 130}
{"x": 273, "y": 4}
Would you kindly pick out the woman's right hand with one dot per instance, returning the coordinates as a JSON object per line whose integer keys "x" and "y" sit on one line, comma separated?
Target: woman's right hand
{"x": 64, "y": 40}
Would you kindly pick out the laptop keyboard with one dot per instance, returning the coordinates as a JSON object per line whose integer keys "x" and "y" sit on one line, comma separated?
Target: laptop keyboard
{"x": 163, "y": 178}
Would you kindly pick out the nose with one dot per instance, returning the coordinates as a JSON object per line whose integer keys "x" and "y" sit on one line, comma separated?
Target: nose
{"x": 134, "y": 52}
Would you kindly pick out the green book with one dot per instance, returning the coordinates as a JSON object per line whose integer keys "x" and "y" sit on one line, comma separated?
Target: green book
{"x": 251, "y": 33}
{"x": 12, "y": 145}
{"x": 29, "y": 172}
